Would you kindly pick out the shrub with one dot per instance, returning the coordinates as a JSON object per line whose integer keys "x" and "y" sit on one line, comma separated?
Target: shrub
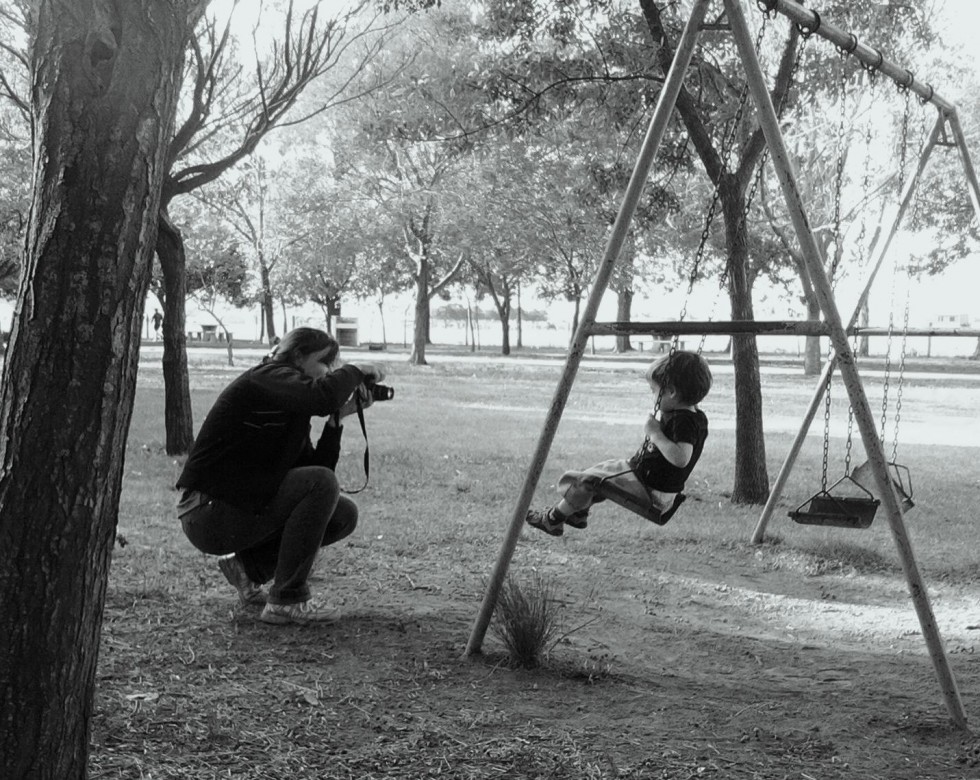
{"x": 526, "y": 620}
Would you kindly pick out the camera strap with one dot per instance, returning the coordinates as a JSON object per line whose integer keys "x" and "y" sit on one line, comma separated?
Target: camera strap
{"x": 367, "y": 449}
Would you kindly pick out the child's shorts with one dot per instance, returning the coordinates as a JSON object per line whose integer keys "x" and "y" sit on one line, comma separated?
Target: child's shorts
{"x": 578, "y": 488}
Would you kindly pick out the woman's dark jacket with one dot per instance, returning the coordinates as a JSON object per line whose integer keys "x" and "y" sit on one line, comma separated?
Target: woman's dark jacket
{"x": 259, "y": 428}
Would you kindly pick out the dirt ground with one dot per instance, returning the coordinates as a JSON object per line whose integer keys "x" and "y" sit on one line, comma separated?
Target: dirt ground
{"x": 679, "y": 660}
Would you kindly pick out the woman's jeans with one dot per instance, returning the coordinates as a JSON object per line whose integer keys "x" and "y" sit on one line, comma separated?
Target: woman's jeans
{"x": 279, "y": 542}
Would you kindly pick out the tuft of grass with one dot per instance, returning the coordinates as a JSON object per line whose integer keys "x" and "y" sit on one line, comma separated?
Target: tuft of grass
{"x": 526, "y": 619}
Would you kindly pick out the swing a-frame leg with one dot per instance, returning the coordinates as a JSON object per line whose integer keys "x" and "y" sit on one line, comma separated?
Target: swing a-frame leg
{"x": 782, "y": 163}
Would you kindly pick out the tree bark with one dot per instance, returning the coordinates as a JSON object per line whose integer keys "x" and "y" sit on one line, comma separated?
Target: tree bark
{"x": 268, "y": 302}
{"x": 104, "y": 88}
{"x": 624, "y": 313}
{"x": 751, "y": 478}
{"x": 520, "y": 319}
{"x": 813, "y": 354}
{"x": 503, "y": 314}
{"x": 421, "y": 331}
{"x": 178, "y": 415}
{"x": 864, "y": 346}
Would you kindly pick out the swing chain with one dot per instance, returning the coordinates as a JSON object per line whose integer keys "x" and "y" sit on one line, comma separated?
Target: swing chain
{"x": 839, "y": 173}
{"x": 865, "y": 251}
{"x": 901, "y": 375}
{"x": 903, "y": 159}
{"x": 887, "y": 377}
{"x": 902, "y": 168}
{"x": 850, "y": 427}
{"x": 827, "y": 407}
{"x": 728, "y": 143}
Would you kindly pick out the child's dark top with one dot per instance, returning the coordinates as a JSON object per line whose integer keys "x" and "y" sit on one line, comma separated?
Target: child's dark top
{"x": 259, "y": 428}
{"x": 653, "y": 469}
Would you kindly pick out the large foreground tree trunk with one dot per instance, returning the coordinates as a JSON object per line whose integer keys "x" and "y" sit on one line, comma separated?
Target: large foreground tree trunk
{"x": 177, "y": 412}
{"x": 104, "y": 86}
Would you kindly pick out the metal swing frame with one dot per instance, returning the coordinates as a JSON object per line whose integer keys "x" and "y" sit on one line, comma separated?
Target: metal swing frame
{"x": 844, "y": 357}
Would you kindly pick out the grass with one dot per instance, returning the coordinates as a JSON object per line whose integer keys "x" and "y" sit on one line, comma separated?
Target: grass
{"x": 450, "y": 452}
{"x": 191, "y": 687}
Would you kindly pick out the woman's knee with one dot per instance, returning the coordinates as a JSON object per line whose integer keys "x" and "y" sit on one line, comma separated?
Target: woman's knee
{"x": 342, "y": 522}
{"x": 315, "y": 479}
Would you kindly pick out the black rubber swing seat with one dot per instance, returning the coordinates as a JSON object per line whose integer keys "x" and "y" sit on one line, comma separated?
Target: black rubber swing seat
{"x": 610, "y": 491}
{"x": 839, "y": 511}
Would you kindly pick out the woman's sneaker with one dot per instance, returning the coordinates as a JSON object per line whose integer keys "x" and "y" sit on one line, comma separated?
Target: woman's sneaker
{"x": 545, "y": 521}
{"x": 305, "y": 613}
{"x": 249, "y": 593}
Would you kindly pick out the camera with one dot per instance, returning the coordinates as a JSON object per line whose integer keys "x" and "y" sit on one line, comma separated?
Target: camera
{"x": 380, "y": 392}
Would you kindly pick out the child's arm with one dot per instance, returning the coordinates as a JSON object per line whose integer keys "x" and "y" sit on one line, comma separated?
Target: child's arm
{"x": 676, "y": 453}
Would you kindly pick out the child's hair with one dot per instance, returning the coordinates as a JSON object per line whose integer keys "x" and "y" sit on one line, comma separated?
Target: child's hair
{"x": 300, "y": 342}
{"x": 687, "y": 372}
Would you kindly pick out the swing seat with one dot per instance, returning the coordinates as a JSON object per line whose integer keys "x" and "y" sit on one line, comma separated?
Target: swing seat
{"x": 839, "y": 511}
{"x": 610, "y": 491}
{"x": 901, "y": 481}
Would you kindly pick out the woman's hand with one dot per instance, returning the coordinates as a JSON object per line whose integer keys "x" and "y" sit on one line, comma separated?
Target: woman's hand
{"x": 350, "y": 406}
{"x": 373, "y": 373}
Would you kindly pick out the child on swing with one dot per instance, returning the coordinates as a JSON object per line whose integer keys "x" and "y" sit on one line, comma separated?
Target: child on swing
{"x": 657, "y": 471}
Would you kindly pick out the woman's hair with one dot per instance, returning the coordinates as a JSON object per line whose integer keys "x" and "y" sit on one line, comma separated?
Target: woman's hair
{"x": 300, "y": 342}
{"x": 686, "y": 372}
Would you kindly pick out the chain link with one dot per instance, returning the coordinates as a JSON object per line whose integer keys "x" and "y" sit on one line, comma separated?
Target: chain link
{"x": 901, "y": 377}
{"x": 902, "y": 168}
{"x": 839, "y": 172}
{"x": 827, "y": 404}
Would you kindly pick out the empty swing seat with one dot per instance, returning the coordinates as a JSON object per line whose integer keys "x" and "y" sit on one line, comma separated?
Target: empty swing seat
{"x": 610, "y": 491}
{"x": 840, "y": 511}
{"x": 901, "y": 480}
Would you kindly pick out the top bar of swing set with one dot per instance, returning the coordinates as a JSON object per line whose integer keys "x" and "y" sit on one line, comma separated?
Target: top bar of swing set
{"x": 813, "y": 24}
{"x": 760, "y": 328}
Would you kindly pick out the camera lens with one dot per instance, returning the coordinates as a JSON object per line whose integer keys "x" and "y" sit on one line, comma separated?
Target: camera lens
{"x": 382, "y": 392}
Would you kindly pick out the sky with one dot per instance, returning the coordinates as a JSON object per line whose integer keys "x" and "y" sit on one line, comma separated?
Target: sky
{"x": 954, "y": 292}
{"x": 961, "y": 18}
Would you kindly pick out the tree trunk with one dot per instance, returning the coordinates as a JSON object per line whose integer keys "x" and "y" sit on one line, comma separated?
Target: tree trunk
{"x": 751, "y": 477}
{"x": 624, "y": 313}
{"x": 520, "y": 319}
{"x": 103, "y": 101}
{"x": 268, "y": 302}
{"x": 864, "y": 347}
{"x": 812, "y": 354}
{"x": 503, "y": 312}
{"x": 178, "y": 415}
{"x": 470, "y": 325}
{"x": 420, "y": 331}
{"x": 575, "y": 316}
{"x": 381, "y": 319}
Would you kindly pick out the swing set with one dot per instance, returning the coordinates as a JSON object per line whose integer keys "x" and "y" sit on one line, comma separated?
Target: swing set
{"x": 850, "y": 502}
{"x": 878, "y": 483}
